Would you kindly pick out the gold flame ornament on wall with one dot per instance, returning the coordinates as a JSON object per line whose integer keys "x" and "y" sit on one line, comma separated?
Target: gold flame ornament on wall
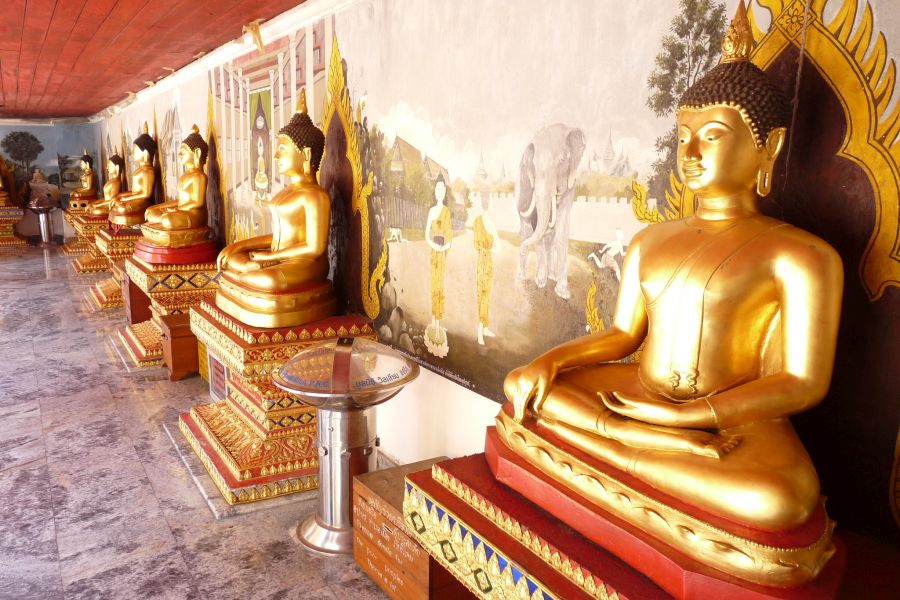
{"x": 337, "y": 105}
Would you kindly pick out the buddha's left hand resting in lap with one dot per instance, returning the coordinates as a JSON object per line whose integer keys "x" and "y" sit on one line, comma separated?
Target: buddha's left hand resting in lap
{"x": 738, "y": 314}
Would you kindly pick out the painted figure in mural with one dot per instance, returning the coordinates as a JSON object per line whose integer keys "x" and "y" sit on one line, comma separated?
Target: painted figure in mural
{"x": 438, "y": 235}
{"x": 608, "y": 254}
{"x": 182, "y": 222}
{"x": 280, "y": 279}
{"x": 128, "y": 207}
{"x": 88, "y": 189}
{"x": 485, "y": 234}
{"x": 738, "y": 314}
{"x": 545, "y": 191}
{"x": 115, "y": 184}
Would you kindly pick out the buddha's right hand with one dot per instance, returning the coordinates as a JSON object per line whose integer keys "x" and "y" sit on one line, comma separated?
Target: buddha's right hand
{"x": 531, "y": 382}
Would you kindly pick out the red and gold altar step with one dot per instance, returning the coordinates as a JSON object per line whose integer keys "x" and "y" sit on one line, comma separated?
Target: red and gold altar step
{"x": 116, "y": 245}
{"x": 86, "y": 229}
{"x": 170, "y": 289}
{"x": 9, "y": 216}
{"x": 259, "y": 442}
{"x": 80, "y": 245}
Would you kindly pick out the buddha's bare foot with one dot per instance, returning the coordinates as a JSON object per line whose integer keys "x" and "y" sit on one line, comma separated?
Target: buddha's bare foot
{"x": 712, "y": 445}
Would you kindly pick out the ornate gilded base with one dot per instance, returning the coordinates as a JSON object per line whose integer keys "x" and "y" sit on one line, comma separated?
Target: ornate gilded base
{"x": 86, "y": 228}
{"x": 259, "y": 442}
{"x": 91, "y": 263}
{"x": 143, "y": 341}
{"x": 285, "y": 309}
{"x": 533, "y": 462}
{"x": 180, "y": 238}
{"x": 75, "y": 247}
{"x": 9, "y": 216}
{"x": 108, "y": 292}
{"x": 117, "y": 244}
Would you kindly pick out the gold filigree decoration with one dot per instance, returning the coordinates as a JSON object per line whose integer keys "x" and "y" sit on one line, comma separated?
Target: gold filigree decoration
{"x": 592, "y": 310}
{"x": 337, "y": 104}
{"x": 744, "y": 558}
{"x": 565, "y": 565}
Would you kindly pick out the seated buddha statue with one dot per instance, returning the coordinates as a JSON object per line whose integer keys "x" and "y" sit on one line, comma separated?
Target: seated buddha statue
{"x": 738, "y": 316}
{"x": 5, "y": 199}
{"x": 182, "y": 222}
{"x": 88, "y": 189}
{"x": 280, "y": 279}
{"x": 115, "y": 184}
{"x": 128, "y": 208}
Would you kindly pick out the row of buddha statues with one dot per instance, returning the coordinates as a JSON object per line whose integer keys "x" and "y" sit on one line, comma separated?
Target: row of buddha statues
{"x": 735, "y": 315}
{"x": 273, "y": 280}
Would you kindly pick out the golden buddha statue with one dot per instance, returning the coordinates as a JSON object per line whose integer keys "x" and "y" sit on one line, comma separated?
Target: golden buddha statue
{"x": 738, "y": 316}
{"x": 280, "y": 279}
{"x": 182, "y": 222}
{"x": 5, "y": 199}
{"x": 127, "y": 209}
{"x": 115, "y": 185}
{"x": 88, "y": 189}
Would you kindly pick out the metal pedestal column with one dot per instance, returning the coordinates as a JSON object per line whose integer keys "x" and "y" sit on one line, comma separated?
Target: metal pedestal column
{"x": 347, "y": 447}
{"x": 46, "y": 229}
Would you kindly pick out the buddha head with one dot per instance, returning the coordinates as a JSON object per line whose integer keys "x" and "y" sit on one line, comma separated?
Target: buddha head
{"x": 300, "y": 144}
{"x": 440, "y": 189}
{"x": 732, "y": 122}
{"x": 144, "y": 147}
{"x": 87, "y": 162}
{"x": 115, "y": 166}
{"x": 193, "y": 150}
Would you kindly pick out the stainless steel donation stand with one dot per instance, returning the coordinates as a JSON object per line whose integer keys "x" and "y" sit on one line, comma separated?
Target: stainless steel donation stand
{"x": 344, "y": 378}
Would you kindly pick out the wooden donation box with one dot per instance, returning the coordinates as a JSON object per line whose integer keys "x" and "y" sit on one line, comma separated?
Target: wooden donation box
{"x": 386, "y": 550}
{"x": 179, "y": 346}
{"x": 166, "y": 289}
{"x": 259, "y": 442}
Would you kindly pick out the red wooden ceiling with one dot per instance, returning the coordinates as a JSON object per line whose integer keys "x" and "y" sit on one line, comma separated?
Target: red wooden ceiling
{"x": 73, "y": 58}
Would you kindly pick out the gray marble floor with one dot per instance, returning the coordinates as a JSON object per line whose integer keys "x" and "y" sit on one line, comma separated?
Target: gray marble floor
{"x": 94, "y": 501}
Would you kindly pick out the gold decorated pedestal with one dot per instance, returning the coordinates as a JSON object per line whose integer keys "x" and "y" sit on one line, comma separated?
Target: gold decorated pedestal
{"x": 116, "y": 246}
{"x": 9, "y": 216}
{"x": 259, "y": 442}
{"x": 86, "y": 228}
{"x": 81, "y": 244}
{"x": 172, "y": 290}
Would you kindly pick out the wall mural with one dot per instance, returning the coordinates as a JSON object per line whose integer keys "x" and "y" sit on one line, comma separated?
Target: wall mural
{"x": 485, "y": 194}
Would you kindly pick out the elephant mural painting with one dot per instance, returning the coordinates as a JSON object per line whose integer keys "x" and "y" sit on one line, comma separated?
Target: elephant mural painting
{"x": 545, "y": 191}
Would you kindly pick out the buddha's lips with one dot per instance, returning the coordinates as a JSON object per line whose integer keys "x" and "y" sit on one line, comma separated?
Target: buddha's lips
{"x": 692, "y": 170}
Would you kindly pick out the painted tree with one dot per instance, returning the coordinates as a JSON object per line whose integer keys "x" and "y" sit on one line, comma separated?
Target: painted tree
{"x": 23, "y": 148}
{"x": 690, "y": 50}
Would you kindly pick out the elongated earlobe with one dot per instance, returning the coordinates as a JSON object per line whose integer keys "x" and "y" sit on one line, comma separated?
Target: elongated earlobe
{"x": 764, "y": 181}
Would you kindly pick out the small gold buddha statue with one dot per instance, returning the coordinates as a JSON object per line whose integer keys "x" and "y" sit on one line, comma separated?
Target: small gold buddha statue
{"x": 5, "y": 199}
{"x": 88, "y": 189}
{"x": 280, "y": 279}
{"x": 182, "y": 222}
{"x": 738, "y": 316}
{"x": 127, "y": 209}
{"x": 115, "y": 185}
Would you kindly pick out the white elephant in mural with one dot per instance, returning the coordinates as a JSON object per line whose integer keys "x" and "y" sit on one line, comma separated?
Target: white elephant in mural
{"x": 545, "y": 191}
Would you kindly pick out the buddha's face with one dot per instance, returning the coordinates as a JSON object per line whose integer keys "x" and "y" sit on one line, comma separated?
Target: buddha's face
{"x": 142, "y": 157}
{"x": 717, "y": 155}
{"x": 112, "y": 170}
{"x": 440, "y": 191}
{"x": 85, "y": 166}
{"x": 290, "y": 159}
{"x": 187, "y": 157}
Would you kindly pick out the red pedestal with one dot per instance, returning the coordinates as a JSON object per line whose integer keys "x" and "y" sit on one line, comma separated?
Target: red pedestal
{"x": 678, "y": 574}
{"x": 205, "y": 252}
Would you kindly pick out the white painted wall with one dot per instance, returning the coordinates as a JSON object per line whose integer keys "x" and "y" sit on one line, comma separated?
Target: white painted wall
{"x": 433, "y": 416}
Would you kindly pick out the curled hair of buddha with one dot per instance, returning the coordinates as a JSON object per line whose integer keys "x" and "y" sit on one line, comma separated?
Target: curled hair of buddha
{"x": 118, "y": 161}
{"x": 304, "y": 134}
{"x": 739, "y": 84}
{"x": 87, "y": 158}
{"x": 146, "y": 143}
{"x": 194, "y": 141}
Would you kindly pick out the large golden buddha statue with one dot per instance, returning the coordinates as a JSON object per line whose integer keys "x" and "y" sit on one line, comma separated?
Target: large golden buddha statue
{"x": 738, "y": 316}
{"x": 182, "y": 222}
{"x": 280, "y": 279}
{"x": 115, "y": 185}
{"x": 127, "y": 209}
{"x": 88, "y": 189}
